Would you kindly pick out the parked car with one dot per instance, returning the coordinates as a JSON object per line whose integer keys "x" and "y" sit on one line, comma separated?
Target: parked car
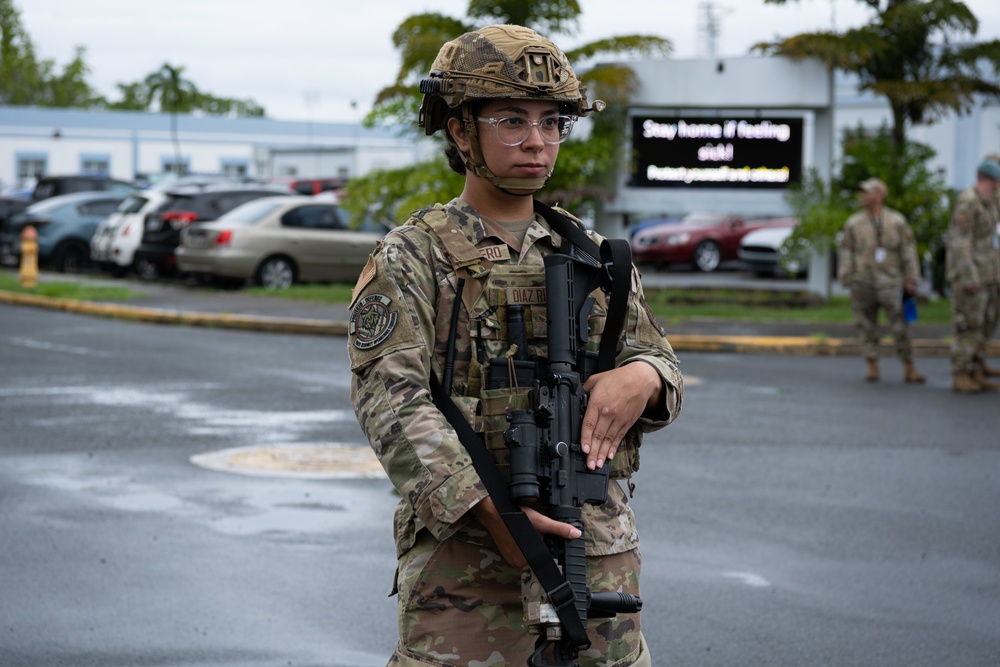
{"x": 53, "y": 186}
{"x": 162, "y": 226}
{"x": 117, "y": 238}
{"x": 65, "y": 225}
{"x": 113, "y": 247}
{"x": 9, "y": 207}
{"x": 763, "y": 252}
{"x": 275, "y": 242}
{"x": 703, "y": 239}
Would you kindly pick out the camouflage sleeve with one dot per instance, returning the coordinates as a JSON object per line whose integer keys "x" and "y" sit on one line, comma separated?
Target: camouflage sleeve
{"x": 390, "y": 344}
{"x": 845, "y": 252}
{"x": 645, "y": 340}
{"x": 961, "y": 258}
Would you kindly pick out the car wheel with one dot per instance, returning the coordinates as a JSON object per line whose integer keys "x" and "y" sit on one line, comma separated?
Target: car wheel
{"x": 276, "y": 273}
{"x": 71, "y": 258}
{"x": 707, "y": 256}
{"x": 146, "y": 270}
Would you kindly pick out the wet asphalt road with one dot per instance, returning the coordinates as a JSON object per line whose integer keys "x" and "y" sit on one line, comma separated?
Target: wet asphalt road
{"x": 794, "y": 515}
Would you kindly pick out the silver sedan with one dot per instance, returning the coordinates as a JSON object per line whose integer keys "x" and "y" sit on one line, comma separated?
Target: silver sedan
{"x": 276, "y": 242}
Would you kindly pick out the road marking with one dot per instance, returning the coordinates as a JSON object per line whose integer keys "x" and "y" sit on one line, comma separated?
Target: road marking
{"x": 748, "y": 578}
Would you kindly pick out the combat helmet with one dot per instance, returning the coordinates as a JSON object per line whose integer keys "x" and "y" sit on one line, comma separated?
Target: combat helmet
{"x": 498, "y": 62}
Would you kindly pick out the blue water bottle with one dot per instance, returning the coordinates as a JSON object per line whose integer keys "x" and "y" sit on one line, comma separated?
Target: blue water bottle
{"x": 909, "y": 308}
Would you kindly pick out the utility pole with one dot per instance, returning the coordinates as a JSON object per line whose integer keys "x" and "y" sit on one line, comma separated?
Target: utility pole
{"x": 709, "y": 27}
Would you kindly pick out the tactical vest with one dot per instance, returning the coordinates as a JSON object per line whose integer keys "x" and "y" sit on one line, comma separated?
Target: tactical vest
{"x": 496, "y": 381}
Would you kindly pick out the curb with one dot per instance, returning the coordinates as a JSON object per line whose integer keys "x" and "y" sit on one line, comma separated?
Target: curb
{"x": 794, "y": 345}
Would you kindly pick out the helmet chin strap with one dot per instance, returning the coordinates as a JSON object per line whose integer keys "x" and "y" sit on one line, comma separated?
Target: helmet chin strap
{"x": 476, "y": 163}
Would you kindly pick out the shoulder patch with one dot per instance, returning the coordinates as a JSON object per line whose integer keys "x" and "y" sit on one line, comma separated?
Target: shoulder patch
{"x": 372, "y": 321}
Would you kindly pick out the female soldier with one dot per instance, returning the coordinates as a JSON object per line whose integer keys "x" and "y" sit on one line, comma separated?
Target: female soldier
{"x": 435, "y": 300}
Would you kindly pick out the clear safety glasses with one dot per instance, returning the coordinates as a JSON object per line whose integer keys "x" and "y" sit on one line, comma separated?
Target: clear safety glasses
{"x": 514, "y": 130}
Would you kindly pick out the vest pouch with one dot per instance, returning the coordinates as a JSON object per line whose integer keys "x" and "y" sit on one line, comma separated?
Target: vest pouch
{"x": 512, "y": 373}
{"x": 494, "y": 406}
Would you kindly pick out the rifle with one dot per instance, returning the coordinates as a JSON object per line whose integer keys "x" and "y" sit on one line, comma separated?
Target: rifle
{"x": 548, "y": 465}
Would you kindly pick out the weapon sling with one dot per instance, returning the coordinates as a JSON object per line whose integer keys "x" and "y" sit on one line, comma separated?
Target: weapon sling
{"x": 559, "y": 591}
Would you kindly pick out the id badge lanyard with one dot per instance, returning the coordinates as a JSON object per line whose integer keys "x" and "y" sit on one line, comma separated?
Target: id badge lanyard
{"x": 880, "y": 253}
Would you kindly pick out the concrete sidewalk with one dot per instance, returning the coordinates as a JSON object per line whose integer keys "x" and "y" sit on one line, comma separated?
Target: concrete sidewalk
{"x": 176, "y": 303}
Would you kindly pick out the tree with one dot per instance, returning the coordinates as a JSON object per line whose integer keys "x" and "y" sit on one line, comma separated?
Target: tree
{"x": 586, "y": 166}
{"x": 26, "y": 80}
{"x": 912, "y": 52}
{"x": 175, "y": 94}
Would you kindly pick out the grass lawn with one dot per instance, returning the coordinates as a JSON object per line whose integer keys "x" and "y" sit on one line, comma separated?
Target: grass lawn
{"x": 670, "y": 305}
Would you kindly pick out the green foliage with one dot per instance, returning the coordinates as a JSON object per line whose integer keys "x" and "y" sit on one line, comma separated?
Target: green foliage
{"x": 392, "y": 194}
{"x": 821, "y": 210}
{"x": 545, "y": 16}
{"x": 26, "y": 80}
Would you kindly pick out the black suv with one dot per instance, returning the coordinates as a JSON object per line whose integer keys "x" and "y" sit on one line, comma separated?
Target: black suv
{"x": 50, "y": 186}
{"x": 161, "y": 232}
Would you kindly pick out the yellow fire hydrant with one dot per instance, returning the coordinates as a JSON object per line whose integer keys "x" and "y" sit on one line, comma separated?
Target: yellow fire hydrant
{"x": 28, "y": 273}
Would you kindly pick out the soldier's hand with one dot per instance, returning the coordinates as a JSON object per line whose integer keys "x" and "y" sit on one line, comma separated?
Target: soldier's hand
{"x": 488, "y": 515}
{"x": 971, "y": 288}
{"x": 617, "y": 399}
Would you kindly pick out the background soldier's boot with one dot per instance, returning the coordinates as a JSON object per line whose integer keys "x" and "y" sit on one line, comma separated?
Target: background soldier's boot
{"x": 990, "y": 372}
{"x": 872, "y": 374}
{"x": 963, "y": 383}
{"x": 980, "y": 377}
{"x": 910, "y": 373}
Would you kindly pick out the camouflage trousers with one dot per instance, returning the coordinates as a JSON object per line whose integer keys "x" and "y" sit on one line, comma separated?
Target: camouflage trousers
{"x": 974, "y": 317}
{"x": 866, "y": 300}
{"x": 460, "y": 605}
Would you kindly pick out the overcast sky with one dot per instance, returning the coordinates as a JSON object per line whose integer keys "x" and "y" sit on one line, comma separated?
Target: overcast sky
{"x": 324, "y": 60}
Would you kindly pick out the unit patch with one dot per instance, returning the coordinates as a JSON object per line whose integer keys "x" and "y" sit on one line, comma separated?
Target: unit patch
{"x": 371, "y": 321}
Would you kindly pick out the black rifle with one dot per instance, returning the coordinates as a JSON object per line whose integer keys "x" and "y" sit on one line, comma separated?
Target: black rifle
{"x": 547, "y": 464}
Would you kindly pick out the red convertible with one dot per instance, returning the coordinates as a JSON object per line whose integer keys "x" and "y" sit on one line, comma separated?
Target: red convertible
{"x": 702, "y": 239}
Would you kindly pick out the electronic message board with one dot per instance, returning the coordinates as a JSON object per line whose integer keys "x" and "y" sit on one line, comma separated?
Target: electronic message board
{"x": 751, "y": 153}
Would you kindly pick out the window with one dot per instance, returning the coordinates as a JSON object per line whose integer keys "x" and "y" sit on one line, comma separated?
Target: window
{"x": 313, "y": 217}
{"x": 171, "y": 166}
{"x": 30, "y": 165}
{"x": 234, "y": 168}
{"x": 100, "y": 208}
{"x": 95, "y": 164}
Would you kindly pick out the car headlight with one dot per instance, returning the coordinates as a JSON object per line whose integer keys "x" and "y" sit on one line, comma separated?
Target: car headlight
{"x": 678, "y": 239}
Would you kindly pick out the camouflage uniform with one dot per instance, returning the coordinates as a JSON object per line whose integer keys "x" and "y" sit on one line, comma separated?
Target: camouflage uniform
{"x": 459, "y": 601}
{"x": 876, "y": 284}
{"x": 973, "y": 258}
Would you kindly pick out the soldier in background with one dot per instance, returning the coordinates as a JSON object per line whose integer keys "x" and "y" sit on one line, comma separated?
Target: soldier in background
{"x": 435, "y": 296}
{"x": 973, "y": 269}
{"x": 878, "y": 264}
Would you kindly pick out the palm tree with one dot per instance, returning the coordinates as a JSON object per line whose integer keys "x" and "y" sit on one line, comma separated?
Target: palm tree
{"x": 906, "y": 53}
{"x": 175, "y": 94}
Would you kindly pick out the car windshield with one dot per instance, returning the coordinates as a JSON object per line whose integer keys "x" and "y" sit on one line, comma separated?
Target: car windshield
{"x": 250, "y": 213}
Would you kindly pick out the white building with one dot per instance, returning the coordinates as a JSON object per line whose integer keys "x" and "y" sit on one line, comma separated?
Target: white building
{"x": 124, "y": 145}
